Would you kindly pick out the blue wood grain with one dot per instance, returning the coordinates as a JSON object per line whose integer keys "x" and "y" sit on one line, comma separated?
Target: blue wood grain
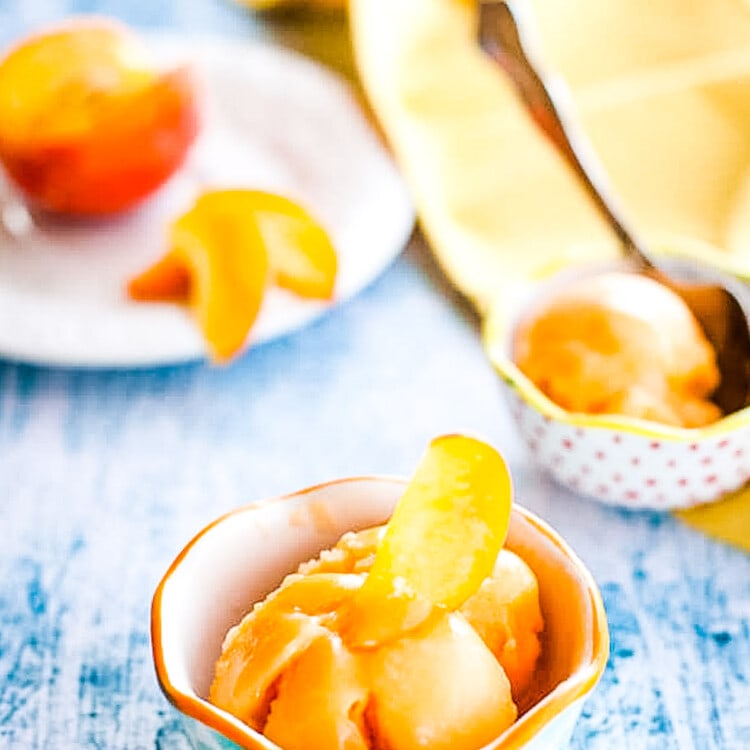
{"x": 629, "y": 702}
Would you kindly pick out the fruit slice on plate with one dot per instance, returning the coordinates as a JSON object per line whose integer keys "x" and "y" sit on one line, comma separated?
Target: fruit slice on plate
{"x": 224, "y": 251}
{"x": 217, "y": 265}
{"x": 441, "y": 542}
{"x": 301, "y": 256}
{"x": 88, "y": 123}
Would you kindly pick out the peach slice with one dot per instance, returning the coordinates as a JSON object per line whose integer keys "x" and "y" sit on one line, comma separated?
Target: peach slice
{"x": 167, "y": 280}
{"x": 223, "y": 252}
{"x": 226, "y": 263}
{"x": 440, "y": 544}
{"x": 301, "y": 256}
{"x": 313, "y": 595}
{"x": 504, "y": 611}
{"x": 88, "y": 125}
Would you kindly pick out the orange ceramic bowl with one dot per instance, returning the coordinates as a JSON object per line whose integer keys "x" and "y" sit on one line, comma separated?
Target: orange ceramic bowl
{"x": 244, "y": 555}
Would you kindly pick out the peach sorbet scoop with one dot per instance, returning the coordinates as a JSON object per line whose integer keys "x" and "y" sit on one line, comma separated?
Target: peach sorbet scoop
{"x": 419, "y": 634}
{"x": 620, "y": 343}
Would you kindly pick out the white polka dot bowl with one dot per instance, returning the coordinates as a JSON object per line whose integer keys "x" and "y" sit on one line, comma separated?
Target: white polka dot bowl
{"x": 239, "y": 558}
{"x": 617, "y": 460}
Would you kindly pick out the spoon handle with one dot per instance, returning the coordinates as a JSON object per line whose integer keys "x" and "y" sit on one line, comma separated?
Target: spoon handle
{"x": 504, "y": 33}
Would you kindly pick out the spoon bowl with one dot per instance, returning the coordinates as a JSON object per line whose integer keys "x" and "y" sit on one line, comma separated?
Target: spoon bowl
{"x": 721, "y": 306}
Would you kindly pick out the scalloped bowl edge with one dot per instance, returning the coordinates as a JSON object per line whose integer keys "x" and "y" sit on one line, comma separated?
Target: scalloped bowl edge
{"x": 197, "y": 600}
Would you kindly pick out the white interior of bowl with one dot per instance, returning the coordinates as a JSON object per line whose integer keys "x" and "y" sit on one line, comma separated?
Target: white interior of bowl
{"x": 246, "y": 554}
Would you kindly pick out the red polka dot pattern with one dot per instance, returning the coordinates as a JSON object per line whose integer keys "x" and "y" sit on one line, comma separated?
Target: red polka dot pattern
{"x": 622, "y": 468}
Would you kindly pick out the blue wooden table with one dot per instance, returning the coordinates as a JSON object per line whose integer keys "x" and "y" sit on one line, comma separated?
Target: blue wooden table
{"x": 105, "y": 475}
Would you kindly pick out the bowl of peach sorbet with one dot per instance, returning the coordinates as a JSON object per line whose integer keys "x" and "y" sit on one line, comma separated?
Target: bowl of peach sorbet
{"x": 377, "y": 613}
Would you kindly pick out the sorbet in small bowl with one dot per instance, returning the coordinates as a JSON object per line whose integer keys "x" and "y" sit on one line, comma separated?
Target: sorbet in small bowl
{"x": 610, "y": 379}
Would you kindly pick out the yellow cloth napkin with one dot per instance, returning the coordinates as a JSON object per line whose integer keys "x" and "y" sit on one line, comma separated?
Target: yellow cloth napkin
{"x": 727, "y": 520}
{"x": 663, "y": 93}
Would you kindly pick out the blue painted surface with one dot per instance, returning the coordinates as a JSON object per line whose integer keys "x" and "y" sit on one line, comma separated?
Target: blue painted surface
{"x": 104, "y": 477}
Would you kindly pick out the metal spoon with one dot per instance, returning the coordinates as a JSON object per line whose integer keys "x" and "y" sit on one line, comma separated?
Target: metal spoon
{"x": 504, "y": 33}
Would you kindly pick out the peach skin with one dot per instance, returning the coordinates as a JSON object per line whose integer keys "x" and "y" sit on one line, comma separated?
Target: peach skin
{"x": 88, "y": 125}
{"x": 217, "y": 265}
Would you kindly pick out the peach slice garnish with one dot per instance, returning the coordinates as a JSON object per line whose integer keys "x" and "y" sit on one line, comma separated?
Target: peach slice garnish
{"x": 224, "y": 251}
{"x": 88, "y": 124}
{"x": 440, "y": 544}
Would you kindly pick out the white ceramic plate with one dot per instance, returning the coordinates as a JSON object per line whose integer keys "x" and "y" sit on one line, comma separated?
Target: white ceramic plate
{"x": 273, "y": 121}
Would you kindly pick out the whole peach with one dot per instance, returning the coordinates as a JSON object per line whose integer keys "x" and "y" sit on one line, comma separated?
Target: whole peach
{"x": 88, "y": 124}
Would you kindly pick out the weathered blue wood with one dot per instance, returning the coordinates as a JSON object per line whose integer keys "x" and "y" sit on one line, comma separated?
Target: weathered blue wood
{"x": 104, "y": 477}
